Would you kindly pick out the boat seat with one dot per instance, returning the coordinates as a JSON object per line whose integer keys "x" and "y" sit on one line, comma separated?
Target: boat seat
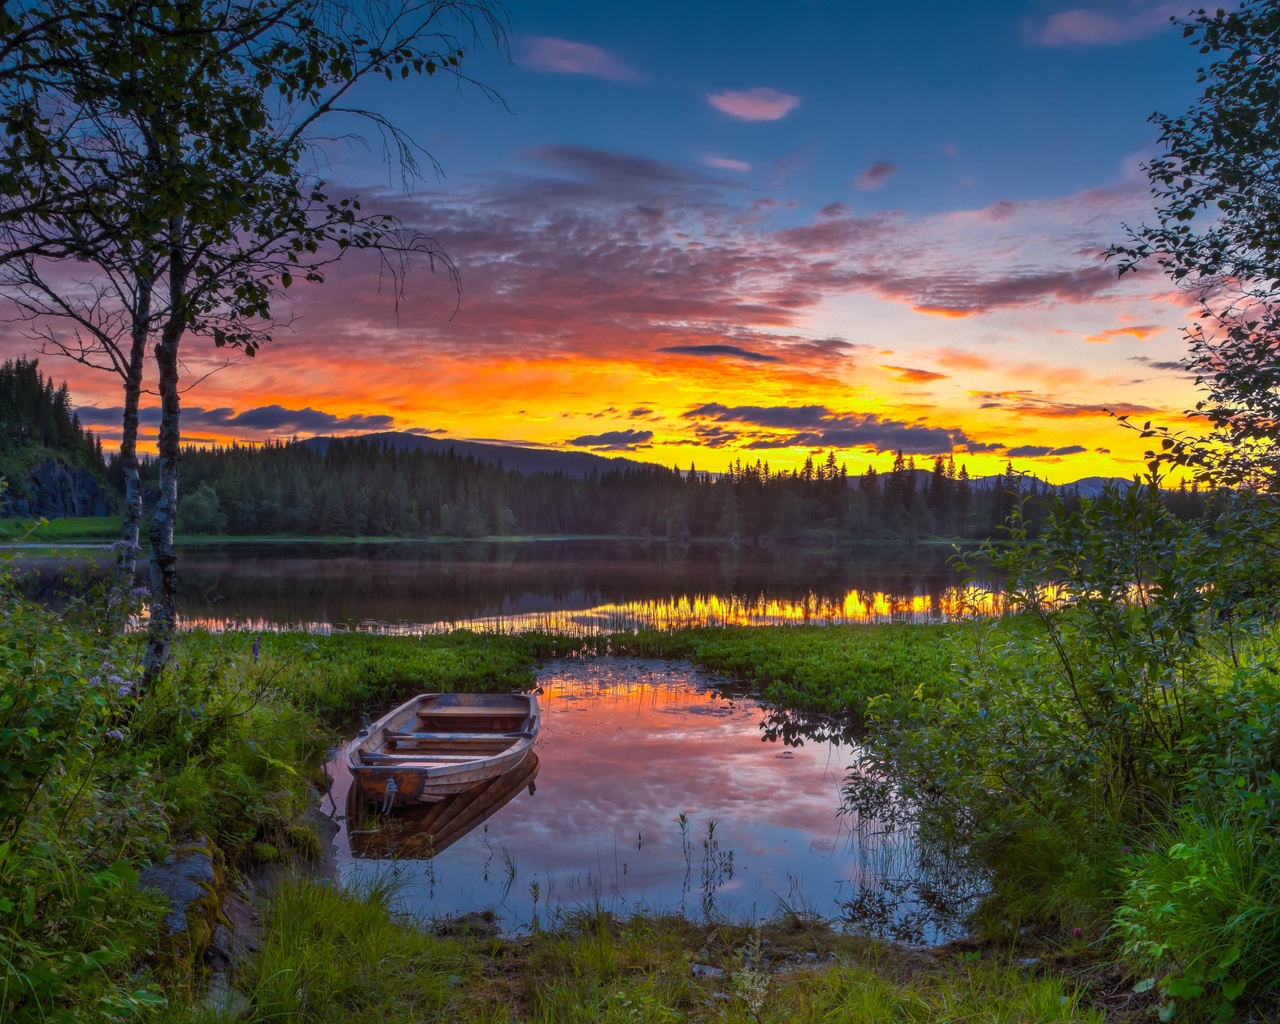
{"x": 474, "y": 712}
{"x": 372, "y": 757}
{"x": 446, "y": 736}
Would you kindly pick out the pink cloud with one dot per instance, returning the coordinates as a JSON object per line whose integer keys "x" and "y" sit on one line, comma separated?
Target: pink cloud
{"x": 875, "y": 176}
{"x": 1081, "y": 26}
{"x": 607, "y": 256}
{"x": 546, "y": 53}
{"x": 755, "y": 104}
{"x": 723, "y": 163}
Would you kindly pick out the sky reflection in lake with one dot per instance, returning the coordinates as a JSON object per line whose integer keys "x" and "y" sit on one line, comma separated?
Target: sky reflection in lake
{"x": 626, "y": 748}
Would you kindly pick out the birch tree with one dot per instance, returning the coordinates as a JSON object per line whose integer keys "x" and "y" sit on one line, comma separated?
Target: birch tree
{"x": 200, "y": 123}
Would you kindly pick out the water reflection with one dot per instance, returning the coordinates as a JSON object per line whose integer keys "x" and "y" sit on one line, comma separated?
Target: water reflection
{"x": 573, "y": 587}
{"x": 656, "y": 791}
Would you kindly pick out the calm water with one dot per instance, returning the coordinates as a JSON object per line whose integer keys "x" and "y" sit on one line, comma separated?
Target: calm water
{"x": 626, "y": 749}
{"x": 573, "y": 587}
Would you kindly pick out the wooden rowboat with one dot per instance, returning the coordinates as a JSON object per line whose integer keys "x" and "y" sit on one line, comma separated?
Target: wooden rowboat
{"x": 429, "y": 829}
{"x": 439, "y": 744}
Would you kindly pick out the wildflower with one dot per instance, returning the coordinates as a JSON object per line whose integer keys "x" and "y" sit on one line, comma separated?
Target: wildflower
{"x": 115, "y": 734}
{"x": 125, "y": 688}
{"x": 140, "y": 592}
{"x": 1077, "y": 933}
{"x": 95, "y": 680}
{"x": 257, "y": 646}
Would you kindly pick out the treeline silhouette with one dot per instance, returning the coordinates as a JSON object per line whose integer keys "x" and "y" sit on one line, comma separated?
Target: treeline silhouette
{"x": 360, "y": 488}
{"x": 37, "y": 418}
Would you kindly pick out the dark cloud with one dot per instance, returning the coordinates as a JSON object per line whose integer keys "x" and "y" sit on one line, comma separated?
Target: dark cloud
{"x": 1035, "y": 451}
{"x": 710, "y": 435}
{"x": 1167, "y": 365}
{"x": 614, "y": 440}
{"x": 271, "y": 419}
{"x": 786, "y": 417}
{"x": 621, "y": 171}
{"x": 636, "y": 414}
{"x": 817, "y": 426}
{"x": 964, "y": 295}
{"x": 1029, "y": 404}
{"x": 719, "y": 350}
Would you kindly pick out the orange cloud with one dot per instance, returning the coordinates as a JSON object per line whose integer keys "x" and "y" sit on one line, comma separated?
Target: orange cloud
{"x": 949, "y": 314}
{"x": 1142, "y": 332}
{"x": 958, "y": 359}
{"x": 910, "y": 375}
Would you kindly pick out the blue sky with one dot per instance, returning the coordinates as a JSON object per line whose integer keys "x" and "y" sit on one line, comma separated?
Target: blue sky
{"x": 1026, "y": 111}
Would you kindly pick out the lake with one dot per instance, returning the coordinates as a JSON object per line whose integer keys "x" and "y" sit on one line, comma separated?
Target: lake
{"x": 567, "y": 586}
{"x": 655, "y": 788}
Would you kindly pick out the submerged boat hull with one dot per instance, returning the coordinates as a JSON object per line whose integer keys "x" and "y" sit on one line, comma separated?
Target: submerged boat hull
{"x": 438, "y": 745}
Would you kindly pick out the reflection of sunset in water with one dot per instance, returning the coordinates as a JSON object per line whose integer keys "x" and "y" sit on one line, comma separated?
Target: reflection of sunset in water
{"x": 628, "y": 747}
{"x": 856, "y": 607}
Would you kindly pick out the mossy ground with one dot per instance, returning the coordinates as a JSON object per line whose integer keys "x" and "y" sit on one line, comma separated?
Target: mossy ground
{"x": 349, "y": 957}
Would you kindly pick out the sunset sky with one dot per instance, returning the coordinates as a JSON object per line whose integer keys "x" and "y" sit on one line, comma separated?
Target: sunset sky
{"x": 698, "y": 232}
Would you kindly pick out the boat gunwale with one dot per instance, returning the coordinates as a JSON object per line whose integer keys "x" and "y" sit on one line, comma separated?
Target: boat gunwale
{"x": 523, "y": 740}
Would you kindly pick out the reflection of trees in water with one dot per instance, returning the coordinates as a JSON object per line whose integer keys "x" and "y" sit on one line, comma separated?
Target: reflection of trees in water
{"x": 55, "y": 584}
{"x": 915, "y": 882}
{"x": 449, "y": 583}
{"x": 426, "y": 583}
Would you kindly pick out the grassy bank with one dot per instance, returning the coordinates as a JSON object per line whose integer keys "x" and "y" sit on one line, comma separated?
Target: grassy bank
{"x": 61, "y": 531}
{"x": 836, "y": 671}
{"x": 348, "y": 957}
{"x": 107, "y": 529}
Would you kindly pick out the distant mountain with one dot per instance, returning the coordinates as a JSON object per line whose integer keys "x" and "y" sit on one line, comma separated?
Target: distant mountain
{"x": 580, "y": 464}
{"x": 522, "y": 460}
{"x": 1092, "y": 486}
{"x": 1089, "y": 486}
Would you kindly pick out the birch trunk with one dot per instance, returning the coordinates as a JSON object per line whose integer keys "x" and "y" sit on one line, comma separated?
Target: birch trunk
{"x": 127, "y": 554}
{"x": 164, "y": 571}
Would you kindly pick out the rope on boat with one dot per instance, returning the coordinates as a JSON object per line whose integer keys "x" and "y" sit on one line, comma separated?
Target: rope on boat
{"x": 390, "y": 797}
